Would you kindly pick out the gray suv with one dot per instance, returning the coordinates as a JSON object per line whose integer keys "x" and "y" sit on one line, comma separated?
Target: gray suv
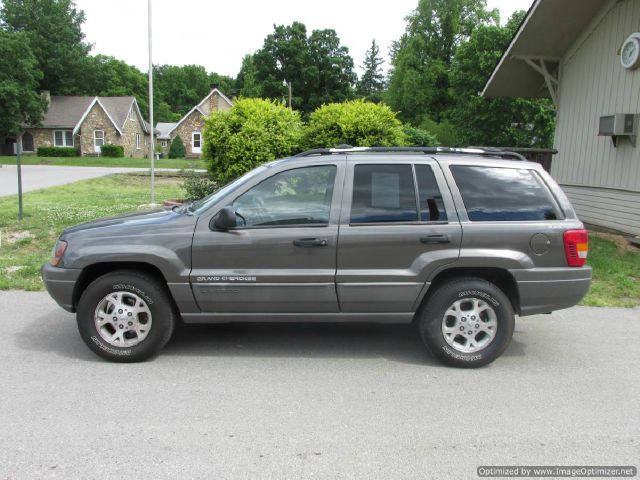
{"x": 456, "y": 241}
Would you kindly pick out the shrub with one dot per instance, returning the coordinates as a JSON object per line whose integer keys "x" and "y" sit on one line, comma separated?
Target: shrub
{"x": 254, "y": 131}
{"x": 112, "y": 151}
{"x": 177, "y": 148}
{"x": 417, "y": 137}
{"x": 197, "y": 185}
{"x": 58, "y": 152}
{"x": 357, "y": 123}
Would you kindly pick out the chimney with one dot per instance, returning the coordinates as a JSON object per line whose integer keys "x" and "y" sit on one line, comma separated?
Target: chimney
{"x": 215, "y": 86}
{"x": 46, "y": 95}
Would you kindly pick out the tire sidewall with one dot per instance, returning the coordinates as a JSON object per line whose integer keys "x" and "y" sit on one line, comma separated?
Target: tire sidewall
{"x": 150, "y": 291}
{"x": 443, "y": 298}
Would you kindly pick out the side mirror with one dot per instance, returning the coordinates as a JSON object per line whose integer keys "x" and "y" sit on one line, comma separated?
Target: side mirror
{"x": 224, "y": 220}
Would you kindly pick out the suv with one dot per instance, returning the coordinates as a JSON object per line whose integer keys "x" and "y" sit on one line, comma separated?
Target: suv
{"x": 457, "y": 241}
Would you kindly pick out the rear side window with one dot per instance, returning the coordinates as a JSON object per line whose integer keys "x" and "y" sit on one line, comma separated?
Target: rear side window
{"x": 431, "y": 204}
{"x": 494, "y": 194}
{"x": 383, "y": 193}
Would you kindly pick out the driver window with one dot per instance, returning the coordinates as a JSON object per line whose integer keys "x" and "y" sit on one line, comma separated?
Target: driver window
{"x": 300, "y": 196}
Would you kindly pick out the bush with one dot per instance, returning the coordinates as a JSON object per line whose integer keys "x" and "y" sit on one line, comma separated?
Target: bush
{"x": 417, "y": 137}
{"x": 177, "y": 148}
{"x": 197, "y": 186}
{"x": 112, "y": 151}
{"x": 357, "y": 123}
{"x": 58, "y": 152}
{"x": 254, "y": 131}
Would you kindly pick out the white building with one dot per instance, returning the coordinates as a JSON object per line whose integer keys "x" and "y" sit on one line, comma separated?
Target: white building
{"x": 584, "y": 55}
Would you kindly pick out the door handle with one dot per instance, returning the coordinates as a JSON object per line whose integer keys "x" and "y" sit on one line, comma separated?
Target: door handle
{"x": 310, "y": 242}
{"x": 435, "y": 239}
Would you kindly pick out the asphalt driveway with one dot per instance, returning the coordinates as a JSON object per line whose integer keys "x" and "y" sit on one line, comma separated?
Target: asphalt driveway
{"x": 313, "y": 401}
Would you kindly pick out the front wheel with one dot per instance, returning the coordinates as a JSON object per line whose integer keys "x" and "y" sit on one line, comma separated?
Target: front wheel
{"x": 126, "y": 316}
{"x": 467, "y": 322}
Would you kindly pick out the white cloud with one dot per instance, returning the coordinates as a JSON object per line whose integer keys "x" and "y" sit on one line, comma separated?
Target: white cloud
{"x": 218, "y": 34}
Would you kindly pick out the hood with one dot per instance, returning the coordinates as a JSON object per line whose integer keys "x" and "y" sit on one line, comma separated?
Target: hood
{"x": 134, "y": 219}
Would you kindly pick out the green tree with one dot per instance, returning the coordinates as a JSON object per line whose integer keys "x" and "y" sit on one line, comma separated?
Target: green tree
{"x": 420, "y": 60}
{"x": 181, "y": 87}
{"x": 357, "y": 123}
{"x": 20, "y": 103}
{"x": 53, "y": 28}
{"x": 246, "y": 84}
{"x": 254, "y": 131}
{"x": 177, "y": 148}
{"x": 319, "y": 69}
{"x": 371, "y": 82}
{"x": 494, "y": 121}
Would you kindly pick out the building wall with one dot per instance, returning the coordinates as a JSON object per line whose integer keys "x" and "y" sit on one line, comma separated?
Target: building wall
{"x": 131, "y": 128}
{"x": 192, "y": 123}
{"x": 97, "y": 119}
{"x": 43, "y": 137}
{"x": 602, "y": 181}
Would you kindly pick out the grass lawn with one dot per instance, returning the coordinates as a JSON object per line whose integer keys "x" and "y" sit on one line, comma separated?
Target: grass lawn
{"x": 105, "y": 162}
{"x": 27, "y": 245}
{"x": 616, "y": 272}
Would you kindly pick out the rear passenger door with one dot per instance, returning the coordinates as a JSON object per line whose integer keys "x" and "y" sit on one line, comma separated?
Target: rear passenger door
{"x": 398, "y": 224}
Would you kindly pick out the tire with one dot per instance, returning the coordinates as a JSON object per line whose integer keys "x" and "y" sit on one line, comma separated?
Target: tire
{"x": 143, "y": 327}
{"x": 488, "y": 334}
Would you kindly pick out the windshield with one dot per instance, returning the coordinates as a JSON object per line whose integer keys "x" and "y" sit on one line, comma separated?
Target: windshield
{"x": 204, "y": 203}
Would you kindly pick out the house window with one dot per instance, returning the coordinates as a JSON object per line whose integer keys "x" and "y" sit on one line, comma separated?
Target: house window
{"x": 196, "y": 142}
{"x": 63, "y": 138}
{"x": 163, "y": 143}
{"x": 98, "y": 139}
{"x": 138, "y": 144}
{"x": 132, "y": 114}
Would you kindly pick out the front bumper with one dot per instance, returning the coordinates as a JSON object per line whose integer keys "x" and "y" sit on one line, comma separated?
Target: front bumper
{"x": 544, "y": 290}
{"x": 60, "y": 283}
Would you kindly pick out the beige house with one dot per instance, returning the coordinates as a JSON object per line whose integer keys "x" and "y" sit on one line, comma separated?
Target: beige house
{"x": 190, "y": 127}
{"x": 87, "y": 123}
{"x": 585, "y": 56}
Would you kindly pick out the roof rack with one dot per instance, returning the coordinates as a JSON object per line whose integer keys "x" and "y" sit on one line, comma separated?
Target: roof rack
{"x": 487, "y": 152}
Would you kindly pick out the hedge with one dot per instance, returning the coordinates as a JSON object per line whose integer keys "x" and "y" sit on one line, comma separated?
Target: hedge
{"x": 112, "y": 151}
{"x": 357, "y": 123}
{"x": 253, "y": 132}
{"x": 58, "y": 152}
{"x": 177, "y": 148}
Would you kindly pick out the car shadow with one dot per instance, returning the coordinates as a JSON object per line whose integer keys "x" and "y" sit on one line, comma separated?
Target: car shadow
{"x": 400, "y": 343}
{"x": 57, "y": 332}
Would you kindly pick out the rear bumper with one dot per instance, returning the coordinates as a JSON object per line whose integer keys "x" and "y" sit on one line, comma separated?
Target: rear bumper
{"x": 60, "y": 283}
{"x": 544, "y": 290}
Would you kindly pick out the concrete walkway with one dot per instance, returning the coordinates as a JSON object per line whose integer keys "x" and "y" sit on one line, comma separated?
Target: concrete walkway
{"x": 35, "y": 177}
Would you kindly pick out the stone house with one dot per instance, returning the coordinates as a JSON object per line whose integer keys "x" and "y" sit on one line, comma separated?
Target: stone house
{"x": 190, "y": 127}
{"x": 87, "y": 123}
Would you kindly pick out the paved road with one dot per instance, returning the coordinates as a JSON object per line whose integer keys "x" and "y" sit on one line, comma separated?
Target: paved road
{"x": 35, "y": 177}
{"x": 277, "y": 401}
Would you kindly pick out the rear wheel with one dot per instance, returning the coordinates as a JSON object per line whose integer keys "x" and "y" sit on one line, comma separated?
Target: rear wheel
{"x": 467, "y": 322}
{"x": 126, "y": 316}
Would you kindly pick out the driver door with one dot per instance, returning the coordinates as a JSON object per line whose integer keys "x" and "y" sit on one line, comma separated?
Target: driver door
{"x": 281, "y": 257}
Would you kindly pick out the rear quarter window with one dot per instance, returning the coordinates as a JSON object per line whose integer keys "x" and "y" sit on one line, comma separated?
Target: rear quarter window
{"x": 495, "y": 194}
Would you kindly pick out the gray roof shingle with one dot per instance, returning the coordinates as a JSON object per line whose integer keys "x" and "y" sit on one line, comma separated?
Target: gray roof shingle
{"x": 66, "y": 111}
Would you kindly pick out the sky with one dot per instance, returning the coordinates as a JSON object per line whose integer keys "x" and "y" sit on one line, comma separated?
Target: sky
{"x": 218, "y": 34}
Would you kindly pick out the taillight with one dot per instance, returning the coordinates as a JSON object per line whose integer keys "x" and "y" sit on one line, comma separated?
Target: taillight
{"x": 58, "y": 252}
{"x": 576, "y": 247}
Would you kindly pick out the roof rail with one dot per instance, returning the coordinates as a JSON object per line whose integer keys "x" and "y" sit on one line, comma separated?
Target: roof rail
{"x": 487, "y": 152}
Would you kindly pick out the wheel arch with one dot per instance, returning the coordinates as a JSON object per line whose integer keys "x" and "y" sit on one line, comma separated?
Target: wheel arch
{"x": 97, "y": 270}
{"x": 500, "y": 277}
